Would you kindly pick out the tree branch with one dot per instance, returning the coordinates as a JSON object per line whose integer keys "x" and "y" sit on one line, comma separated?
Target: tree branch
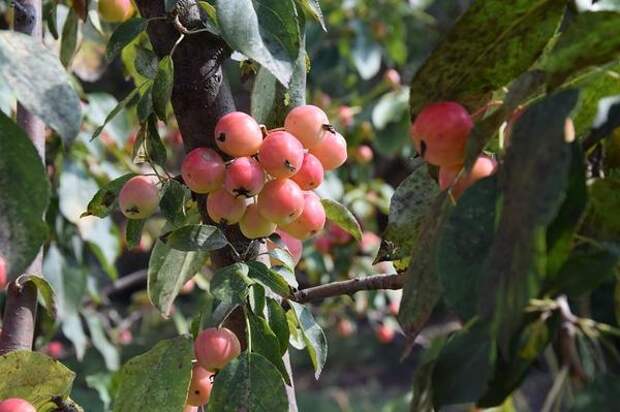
{"x": 348, "y": 287}
{"x": 21, "y": 304}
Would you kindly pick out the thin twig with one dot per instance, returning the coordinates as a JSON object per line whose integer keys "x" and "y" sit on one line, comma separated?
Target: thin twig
{"x": 348, "y": 287}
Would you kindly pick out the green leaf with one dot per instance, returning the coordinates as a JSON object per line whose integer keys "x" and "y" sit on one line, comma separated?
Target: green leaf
{"x": 145, "y": 62}
{"x": 120, "y": 106}
{"x": 286, "y": 272}
{"x": 265, "y": 342}
{"x": 168, "y": 271}
{"x": 155, "y": 149}
{"x": 100, "y": 340}
{"x": 22, "y": 229}
{"x": 278, "y": 323}
{"x": 471, "y": 349}
{"x": 39, "y": 82}
{"x": 51, "y": 16}
{"x": 281, "y": 253}
{"x": 312, "y": 8}
{"x": 264, "y": 96}
{"x": 67, "y": 280}
{"x": 510, "y": 269}
{"x": 268, "y": 278}
{"x": 106, "y": 199}
{"x": 157, "y": 380}
{"x": 162, "y": 86}
{"x": 409, "y": 205}
{"x": 172, "y": 203}
{"x": 390, "y": 108}
{"x": 258, "y": 297}
{"x": 465, "y": 240}
{"x": 366, "y": 52}
{"x": 191, "y": 238}
{"x": 599, "y": 395}
{"x": 231, "y": 284}
{"x": 144, "y": 108}
{"x": 422, "y": 393}
{"x": 69, "y": 38}
{"x": 123, "y": 35}
{"x": 313, "y": 336}
{"x": 605, "y": 197}
{"x": 584, "y": 270}
{"x": 422, "y": 288}
{"x": 248, "y": 383}
{"x": 599, "y": 83}
{"x": 590, "y": 40}
{"x": 133, "y": 232}
{"x": 561, "y": 231}
{"x": 343, "y": 217}
{"x": 267, "y": 32}
{"x": 484, "y": 52}
{"x": 510, "y": 371}
{"x": 210, "y": 20}
{"x": 46, "y": 292}
{"x": 34, "y": 377}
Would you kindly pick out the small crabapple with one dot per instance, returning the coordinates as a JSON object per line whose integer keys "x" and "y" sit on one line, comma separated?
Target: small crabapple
{"x": 294, "y": 246}
{"x": 345, "y": 115}
{"x": 214, "y": 348}
{"x": 394, "y": 307}
{"x": 440, "y": 133}
{"x": 124, "y": 337}
{"x": 281, "y": 154}
{"x": 310, "y": 175}
{"x": 138, "y": 197}
{"x": 237, "y": 134}
{"x": 54, "y": 349}
{"x": 116, "y": 11}
{"x": 200, "y": 386}
{"x": 203, "y": 170}
{"x": 244, "y": 177}
{"x": 392, "y": 78}
{"x": 483, "y": 167}
{"x": 331, "y": 151}
{"x": 323, "y": 244}
{"x": 188, "y": 287}
{"x": 345, "y": 328}
{"x": 281, "y": 201}
{"x": 338, "y": 235}
{"x": 311, "y": 220}
{"x": 4, "y": 276}
{"x": 225, "y": 208}
{"x": 385, "y": 334}
{"x": 308, "y": 123}
{"x": 253, "y": 225}
{"x": 16, "y": 405}
{"x": 370, "y": 243}
{"x": 363, "y": 154}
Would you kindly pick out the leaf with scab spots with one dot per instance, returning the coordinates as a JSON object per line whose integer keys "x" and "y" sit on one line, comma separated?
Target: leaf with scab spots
{"x": 158, "y": 379}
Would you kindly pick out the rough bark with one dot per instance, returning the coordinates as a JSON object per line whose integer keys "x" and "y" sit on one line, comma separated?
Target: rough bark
{"x": 21, "y": 302}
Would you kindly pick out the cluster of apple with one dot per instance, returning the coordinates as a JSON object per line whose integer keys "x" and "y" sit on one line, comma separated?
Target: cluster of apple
{"x": 440, "y": 133}
{"x": 267, "y": 185}
{"x": 214, "y": 348}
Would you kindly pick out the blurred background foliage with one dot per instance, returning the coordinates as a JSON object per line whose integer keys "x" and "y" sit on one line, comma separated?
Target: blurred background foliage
{"x": 359, "y": 73}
